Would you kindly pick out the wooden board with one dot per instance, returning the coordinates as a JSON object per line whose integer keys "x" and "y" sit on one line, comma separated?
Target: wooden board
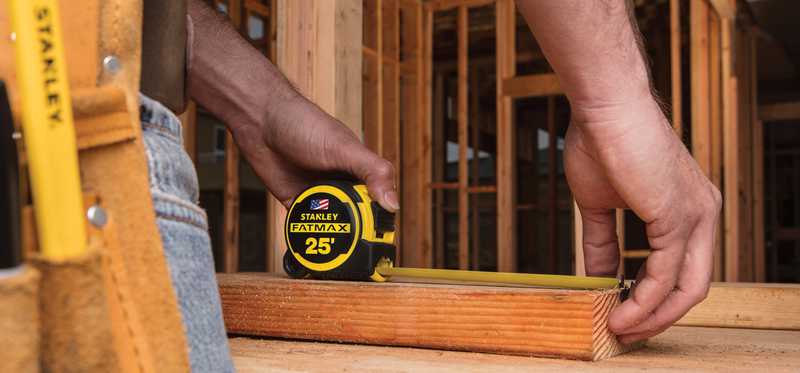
{"x": 679, "y": 349}
{"x": 319, "y": 45}
{"x": 463, "y": 138}
{"x": 505, "y": 37}
{"x": 509, "y": 320}
{"x": 748, "y": 305}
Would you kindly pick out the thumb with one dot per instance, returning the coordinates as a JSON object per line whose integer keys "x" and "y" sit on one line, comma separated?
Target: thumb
{"x": 378, "y": 174}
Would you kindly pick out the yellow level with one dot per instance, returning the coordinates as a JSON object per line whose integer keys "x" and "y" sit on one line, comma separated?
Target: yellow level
{"x": 48, "y": 127}
{"x": 385, "y": 269}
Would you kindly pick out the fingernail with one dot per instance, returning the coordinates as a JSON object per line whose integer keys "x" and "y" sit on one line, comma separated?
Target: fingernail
{"x": 391, "y": 200}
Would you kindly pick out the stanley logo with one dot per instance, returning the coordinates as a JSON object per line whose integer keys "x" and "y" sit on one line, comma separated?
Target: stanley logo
{"x": 319, "y": 228}
{"x": 50, "y": 73}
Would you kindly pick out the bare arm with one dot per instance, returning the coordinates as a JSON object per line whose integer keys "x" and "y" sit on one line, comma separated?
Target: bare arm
{"x": 622, "y": 153}
{"x": 287, "y": 139}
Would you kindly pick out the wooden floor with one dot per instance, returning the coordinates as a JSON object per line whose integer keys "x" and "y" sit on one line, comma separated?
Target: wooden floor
{"x": 680, "y": 349}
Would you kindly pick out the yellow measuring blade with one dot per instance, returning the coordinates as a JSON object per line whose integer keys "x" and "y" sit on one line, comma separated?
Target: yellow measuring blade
{"x": 549, "y": 281}
{"x": 48, "y": 127}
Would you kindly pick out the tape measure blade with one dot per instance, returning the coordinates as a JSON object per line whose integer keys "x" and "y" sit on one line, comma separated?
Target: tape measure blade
{"x": 528, "y": 279}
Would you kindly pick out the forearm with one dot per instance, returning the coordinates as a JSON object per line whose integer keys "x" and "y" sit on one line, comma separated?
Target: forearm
{"x": 236, "y": 83}
{"x": 266, "y": 115}
{"x": 593, "y": 47}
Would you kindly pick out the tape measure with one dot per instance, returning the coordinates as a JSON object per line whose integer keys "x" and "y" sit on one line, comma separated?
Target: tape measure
{"x": 335, "y": 231}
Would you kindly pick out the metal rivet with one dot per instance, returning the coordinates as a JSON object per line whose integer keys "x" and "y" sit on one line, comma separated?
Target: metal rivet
{"x": 13, "y": 36}
{"x": 111, "y": 64}
{"x": 97, "y": 216}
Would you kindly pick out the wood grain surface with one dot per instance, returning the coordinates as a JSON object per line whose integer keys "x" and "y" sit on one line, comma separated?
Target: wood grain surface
{"x": 508, "y": 320}
{"x": 748, "y": 305}
{"x": 679, "y": 349}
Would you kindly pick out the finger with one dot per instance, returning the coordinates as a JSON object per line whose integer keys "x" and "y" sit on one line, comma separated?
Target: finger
{"x": 627, "y": 339}
{"x": 600, "y": 242}
{"x": 378, "y": 174}
{"x": 691, "y": 288}
{"x": 660, "y": 278}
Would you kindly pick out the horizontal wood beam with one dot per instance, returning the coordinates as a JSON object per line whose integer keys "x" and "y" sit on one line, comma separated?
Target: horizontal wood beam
{"x": 257, "y": 7}
{"x": 507, "y": 320}
{"x": 779, "y": 111}
{"x": 748, "y": 305}
{"x": 438, "y": 5}
{"x": 532, "y": 86}
{"x": 636, "y": 253}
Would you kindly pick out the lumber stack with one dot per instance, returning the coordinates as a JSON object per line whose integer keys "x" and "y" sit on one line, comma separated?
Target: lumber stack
{"x": 569, "y": 324}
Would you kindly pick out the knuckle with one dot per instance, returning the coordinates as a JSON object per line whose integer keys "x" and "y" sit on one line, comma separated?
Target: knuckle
{"x": 717, "y": 197}
{"x": 698, "y": 294}
{"x": 384, "y": 169}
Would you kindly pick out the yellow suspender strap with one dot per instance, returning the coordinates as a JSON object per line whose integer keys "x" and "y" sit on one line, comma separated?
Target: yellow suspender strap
{"x": 48, "y": 128}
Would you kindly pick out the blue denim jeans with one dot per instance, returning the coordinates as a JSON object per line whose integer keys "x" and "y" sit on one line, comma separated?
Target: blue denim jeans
{"x": 184, "y": 233}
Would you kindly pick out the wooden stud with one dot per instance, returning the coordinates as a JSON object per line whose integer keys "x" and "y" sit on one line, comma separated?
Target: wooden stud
{"x": 392, "y": 102}
{"x": 474, "y": 187}
{"x": 235, "y": 12}
{"x": 425, "y": 86}
{"x": 532, "y": 86}
{"x": 577, "y": 240}
{"x": 675, "y": 65}
{"x": 273, "y": 263}
{"x": 417, "y": 57}
{"x": 552, "y": 184}
{"x": 505, "y": 21}
{"x": 319, "y": 46}
{"x": 746, "y": 113}
{"x": 715, "y": 99}
{"x": 439, "y": 171}
{"x": 463, "y": 138}
{"x": 508, "y": 320}
{"x": 730, "y": 139}
{"x": 759, "y": 306}
{"x": 701, "y": 138}
{"x": 757, "y": 138}
{"x": 273, "y": 31}
{"x": 759, "y": 241}
{"x": 189, "y": 124}
{"x": 231, "y": 206}
{"x": 706, "y": 105}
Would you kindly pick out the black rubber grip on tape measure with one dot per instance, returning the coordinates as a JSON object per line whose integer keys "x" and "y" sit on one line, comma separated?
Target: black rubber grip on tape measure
{"x": 384, "y": 220}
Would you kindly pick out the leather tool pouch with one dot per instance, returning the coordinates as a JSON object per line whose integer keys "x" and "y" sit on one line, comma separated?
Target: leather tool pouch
{"x": 19, "y": 321}
{"x": 89, "y": 320}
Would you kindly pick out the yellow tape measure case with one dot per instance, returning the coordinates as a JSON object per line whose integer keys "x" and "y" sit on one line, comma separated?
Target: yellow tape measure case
{"x": 335, "y": 231}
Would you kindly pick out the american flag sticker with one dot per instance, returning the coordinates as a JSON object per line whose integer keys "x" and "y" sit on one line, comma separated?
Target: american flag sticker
{"x": 319, "y": 204}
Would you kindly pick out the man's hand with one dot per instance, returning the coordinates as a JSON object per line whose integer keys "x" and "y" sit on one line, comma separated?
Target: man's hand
{"x": 628, "y": 157}
{"x": 303, "y": 144}
{"x": 622, "y": 153}
{"x": 289, "y": 141}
